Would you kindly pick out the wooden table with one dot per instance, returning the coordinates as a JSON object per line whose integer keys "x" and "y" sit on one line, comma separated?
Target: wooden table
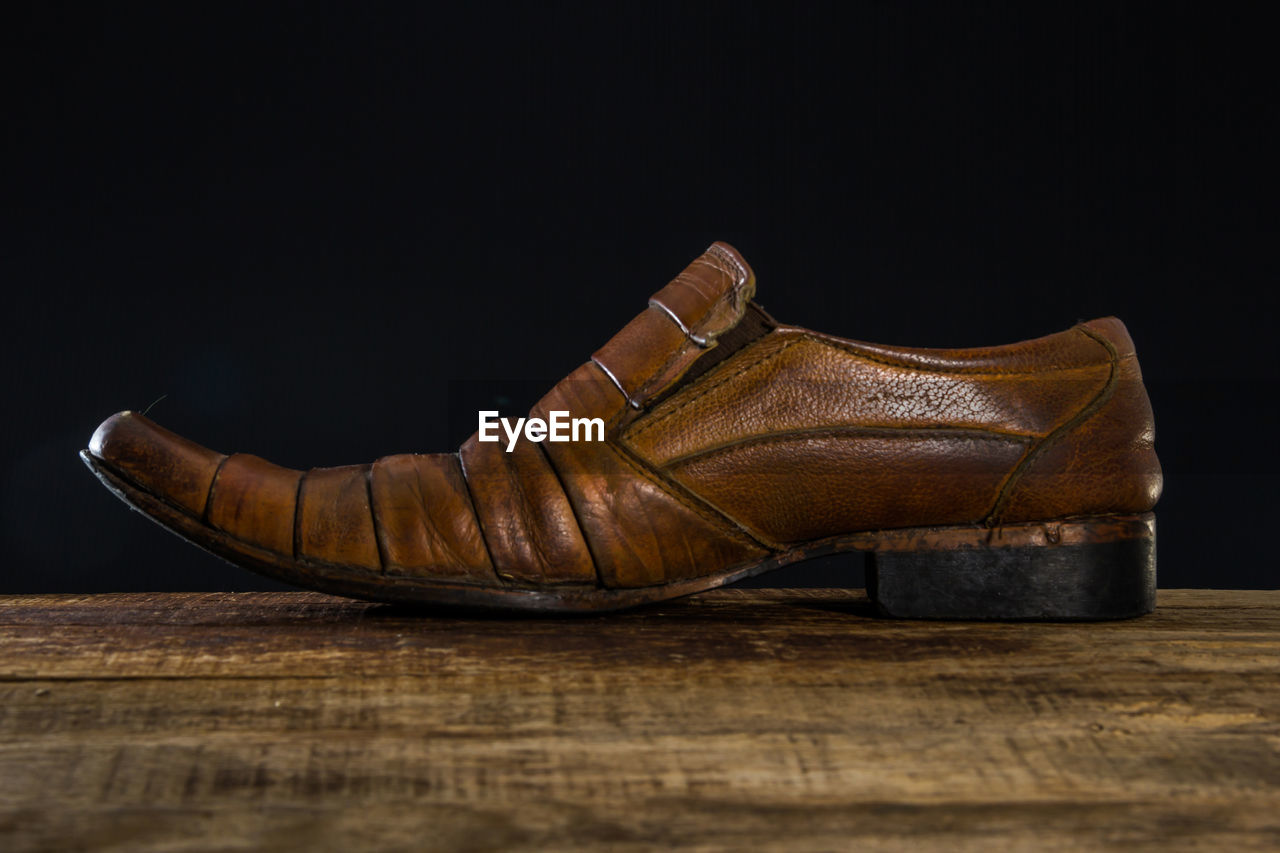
{"x": 738, "y": 719}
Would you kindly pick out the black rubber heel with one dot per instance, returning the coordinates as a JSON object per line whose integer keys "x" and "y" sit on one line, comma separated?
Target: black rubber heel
{"x": 1086, "y": 569}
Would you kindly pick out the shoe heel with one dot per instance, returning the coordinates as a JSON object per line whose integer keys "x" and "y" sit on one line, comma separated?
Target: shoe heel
{"x": 1082, "y": 569}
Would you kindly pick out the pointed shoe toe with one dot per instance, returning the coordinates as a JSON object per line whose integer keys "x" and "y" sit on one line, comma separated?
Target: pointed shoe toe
{"x": 706, "y": 442}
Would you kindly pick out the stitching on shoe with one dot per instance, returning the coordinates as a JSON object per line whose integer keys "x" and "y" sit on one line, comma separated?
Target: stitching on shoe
{"x": 694, "y": 335}
{"x": 718, "y": 523}
{"x": 733, "y": 294}
{"x": 657, "y": 417}
{"x": 718, "y": 520}
{"x": 1089, "y": 409}
{"x": 740, "y": 273}
{"x": 958, "y": 433}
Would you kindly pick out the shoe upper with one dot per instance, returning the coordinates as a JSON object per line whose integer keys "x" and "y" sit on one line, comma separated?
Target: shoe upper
{"x": 729, "y": 437}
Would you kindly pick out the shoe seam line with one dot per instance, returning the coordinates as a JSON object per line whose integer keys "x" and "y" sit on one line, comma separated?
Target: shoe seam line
{"x": 1088, "y": 410}
{"x": 208, "y": 496}
{"x": 475, "y": 513}
{"x": 689, "y": 499}
{"x": 297, "y": 514}
{"x": 577, "y": 519}
{"x": 658, "y": 417}
{"x": 851, "y": 348}
{"x": 373, "y": 518}
{"x": 849, "y": 431}
{"x": 536, "y": 537}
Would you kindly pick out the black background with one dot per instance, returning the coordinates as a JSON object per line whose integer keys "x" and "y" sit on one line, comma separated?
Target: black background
{"x": 325, "y": 232}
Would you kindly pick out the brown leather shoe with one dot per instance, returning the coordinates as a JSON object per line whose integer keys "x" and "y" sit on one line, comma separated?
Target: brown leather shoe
{"x": 1010, "y": 482}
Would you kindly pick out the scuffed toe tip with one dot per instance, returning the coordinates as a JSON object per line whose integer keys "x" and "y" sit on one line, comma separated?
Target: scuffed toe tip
{"x": 162, "y": 463}
{"x": 105, "y": 436}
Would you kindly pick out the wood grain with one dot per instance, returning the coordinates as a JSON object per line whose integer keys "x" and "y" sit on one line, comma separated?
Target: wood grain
{"x": 736, "y": 719}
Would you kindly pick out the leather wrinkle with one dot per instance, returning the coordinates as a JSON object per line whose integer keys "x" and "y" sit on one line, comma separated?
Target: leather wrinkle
{"x": 577, "y": 519}
{"x": 702, "y": 262}
{"x": 243, "y": 522}
{"x": 737, "y": 272}
{"x": 373, "y": 518}
{"x": 532, "y": 524}
{"x": 474, "y": 515}
{"x": 471, "y": 498}
{"x": 516, "y": 482}
{"x": 297, "y": 504}
{"x": 725, "y": 256}
{"x": 1087, "y": 411}
{"x": 168, "y": 501}
{"x": 660, "y": 416}
{"x": 645, "y": 391}
{"x": 689, "y": 282}
{"x": 208, "y": 498}
{"x": 851, "y": 348}
{"x": 958, "y": 433}
{"x": 444, "y": 543}
{"x": 306, "y": 496}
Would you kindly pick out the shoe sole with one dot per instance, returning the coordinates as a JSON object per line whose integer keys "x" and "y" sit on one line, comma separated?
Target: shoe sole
{"x": 1073, "y": 569}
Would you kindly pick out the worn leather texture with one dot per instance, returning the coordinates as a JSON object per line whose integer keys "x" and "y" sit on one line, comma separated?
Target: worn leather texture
{"x": 716, "y": 455}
